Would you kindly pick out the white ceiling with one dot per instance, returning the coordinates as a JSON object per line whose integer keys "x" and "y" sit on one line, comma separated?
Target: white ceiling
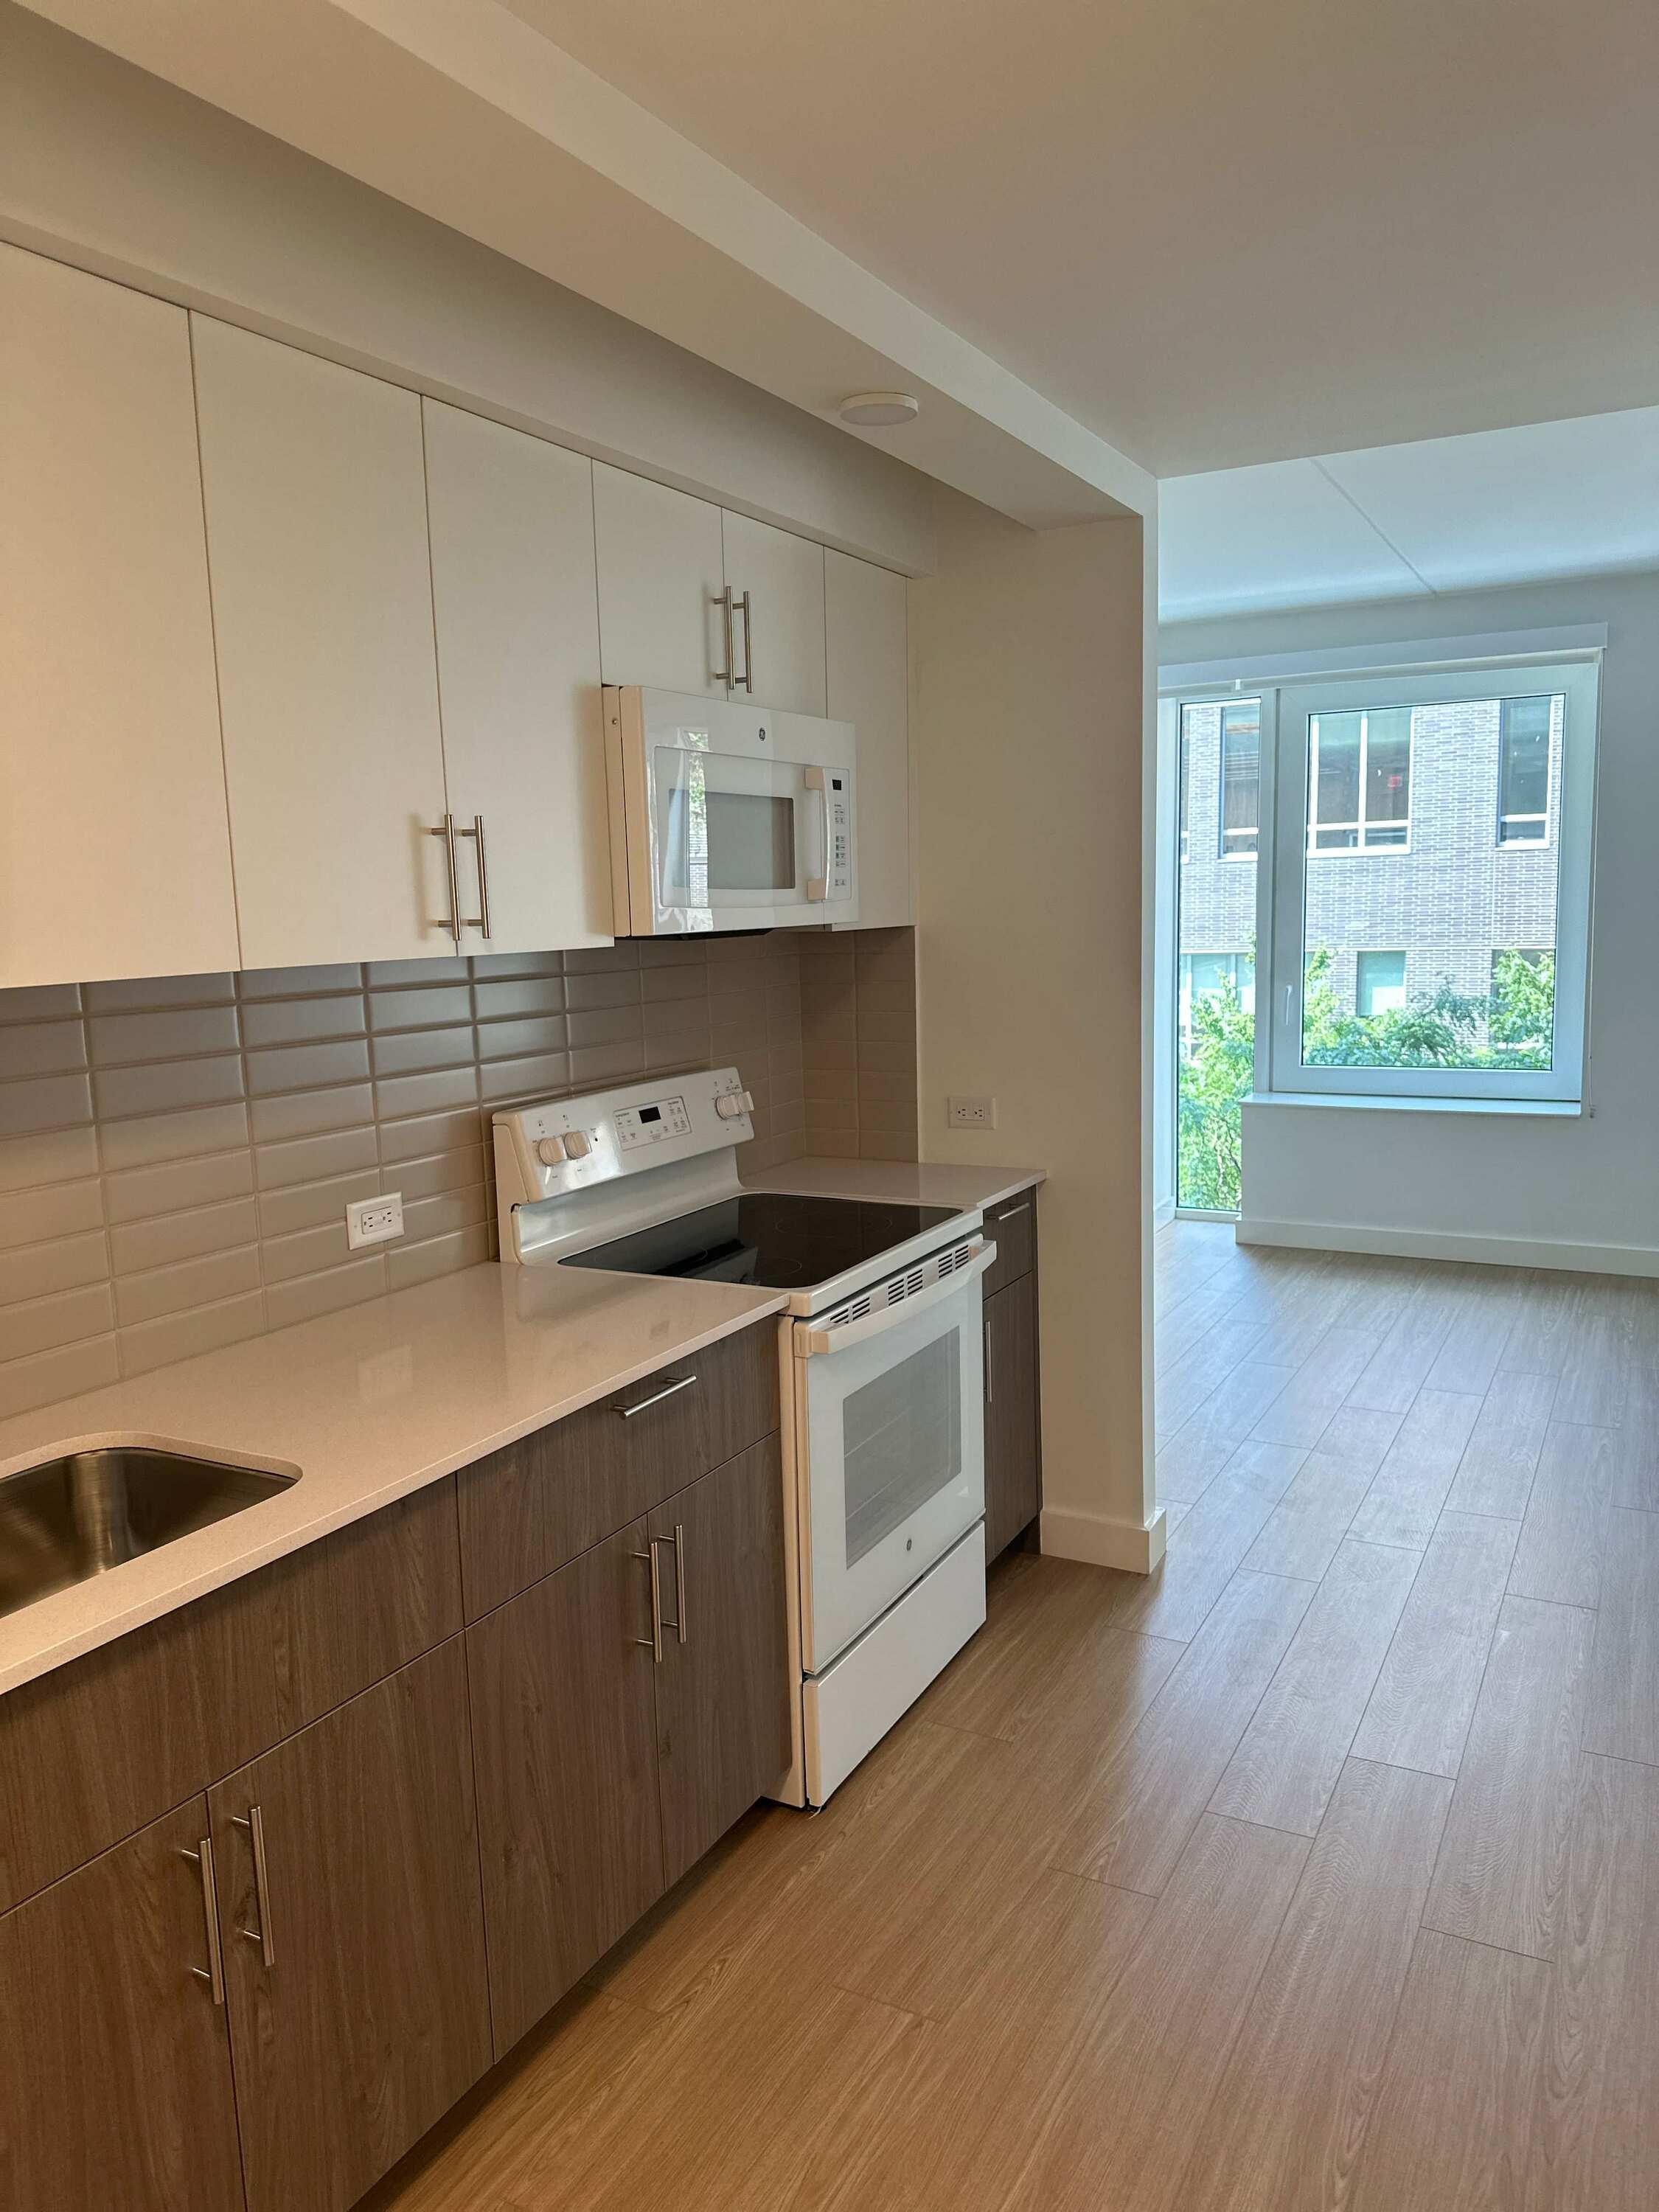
{"x": 1408, "y": 521}
{"x": 1214, "y": 234}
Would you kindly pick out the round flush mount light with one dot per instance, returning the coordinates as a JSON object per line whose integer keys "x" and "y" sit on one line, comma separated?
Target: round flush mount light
{"x": 879, "y": 411}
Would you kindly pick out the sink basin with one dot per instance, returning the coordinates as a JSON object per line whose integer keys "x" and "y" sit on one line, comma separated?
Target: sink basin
{"x": 76, "y": 1516}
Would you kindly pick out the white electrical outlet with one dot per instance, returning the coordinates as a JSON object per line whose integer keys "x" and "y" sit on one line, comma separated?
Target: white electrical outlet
{"x": 971, "y": 1113}
{"x": 373, "y": 1220}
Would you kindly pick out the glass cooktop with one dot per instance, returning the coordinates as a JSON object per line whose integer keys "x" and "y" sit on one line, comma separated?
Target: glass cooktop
{"x": 776, "y": 1241}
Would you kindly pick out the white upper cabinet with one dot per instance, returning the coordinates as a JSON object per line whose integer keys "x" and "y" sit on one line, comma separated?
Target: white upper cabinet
{"x": 869, "y": 686}
{"x": 514, "y": 596}
{"x": 114, "y": 847}
{"x": 778, "y": 642}
{"x": 660, "y": 581}
{"x": 315, "y": 490}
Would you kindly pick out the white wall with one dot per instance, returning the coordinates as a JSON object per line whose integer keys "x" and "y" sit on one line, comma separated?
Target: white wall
{"x": 126, "y": 175}
{"x": 1028, "y": 736}
{"x": 1571, "y": 1192}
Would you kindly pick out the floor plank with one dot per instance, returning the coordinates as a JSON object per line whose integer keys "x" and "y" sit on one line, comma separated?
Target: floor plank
{"x": 1419, "y": 1711}
{"x": 1495, "y": 1474}
{"x": 1597, "y": 1370}
{"x": 1155, "y": 2052}
{"x": 1306, "y": 1406}
{"x": 1291, "y": 1756}
{"x": 1285, "y": 2126}
{"x": 1206, "y": 1550}
{"x": 1565, "y": 1534}
{"x": 1310, "y": 1520}
{"x": 1603, "y": 2082}
{"x": 1635, "y": 1455}
{"x": 1502, "y": 1869}
{"x": 1404, "y": 1500}
{"x": 942, "y": 2134}
{"x": 1483, "y": 1321}
{"x": 1456, "y": 2129}
{"x": 1400, "y": 1366}
{"x": 1623, "y": 1702}
{"x": 1134, "y": 1819}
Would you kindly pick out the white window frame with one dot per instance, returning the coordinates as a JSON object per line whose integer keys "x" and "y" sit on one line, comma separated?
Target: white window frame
{"x": 1282, "y": 889}
{"x": 1363, "y": 848}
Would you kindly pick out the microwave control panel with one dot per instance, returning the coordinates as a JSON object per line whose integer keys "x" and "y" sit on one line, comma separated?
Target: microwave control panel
{"x": 836, "y": 881}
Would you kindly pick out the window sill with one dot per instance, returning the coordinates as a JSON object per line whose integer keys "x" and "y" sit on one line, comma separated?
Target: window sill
{"x": 1545, "y": 1109}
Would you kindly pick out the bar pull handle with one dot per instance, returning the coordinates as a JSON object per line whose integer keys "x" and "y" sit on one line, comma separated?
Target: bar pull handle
{"x": 644, "y": 1405}
{"x": 484, "y": 878}
{"x": 445, "y": 829}
{"x": 254, "y": 1822}
{"x": 213, "y": 1973}
{"x": 747, "y": 679}
{"x": 990, "y": 1382}
{"x": 679, "y": 1542}
{"x": 728, "y": 674}
{"x": 1011, "y": 1212}
{"x": 653, "y": 1641}
{"x": 479, "y": 921}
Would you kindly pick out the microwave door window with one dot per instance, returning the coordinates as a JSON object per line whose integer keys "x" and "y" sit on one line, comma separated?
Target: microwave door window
{"x": 750, "y": 841}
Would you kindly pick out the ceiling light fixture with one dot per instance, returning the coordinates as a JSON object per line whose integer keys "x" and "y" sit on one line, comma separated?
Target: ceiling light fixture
{"x": 879, "y": 411}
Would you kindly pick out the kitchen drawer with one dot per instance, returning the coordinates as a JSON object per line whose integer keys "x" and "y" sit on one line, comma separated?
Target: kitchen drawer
{"x": 528, "y": 1508}
{"x": 129, "y": 1731}
{"x": 1012, "y": 1226}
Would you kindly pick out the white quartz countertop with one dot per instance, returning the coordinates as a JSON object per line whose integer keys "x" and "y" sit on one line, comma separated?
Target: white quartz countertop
{"x": 368, "y": 1404}
{"x": 899, "y": 1183}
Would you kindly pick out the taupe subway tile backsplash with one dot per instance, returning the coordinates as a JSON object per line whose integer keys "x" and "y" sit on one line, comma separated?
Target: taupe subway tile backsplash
{"x": 177, "y": 1152}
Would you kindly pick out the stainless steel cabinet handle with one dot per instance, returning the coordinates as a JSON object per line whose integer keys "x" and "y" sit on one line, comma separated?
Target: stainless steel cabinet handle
{"x": 653, "y": 1641}
{"x": 254, "y": 1822}
{"x": 680, "y": 1382}
{"x": 484, "y": 878}
{"x": 747, "y": 679}
{"x": 213, "y": 1973}
{"x": 445, "y": 829}
{"x": 1010, "y": 1212}
{"x": 990, "y": 1385}
{"x": 679, "y": 1577}
{"x": 727, "y": 674}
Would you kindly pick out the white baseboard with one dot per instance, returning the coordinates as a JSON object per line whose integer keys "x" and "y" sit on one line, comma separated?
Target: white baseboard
{"x": 1451, "y": 1245}
{"x": 1163, "y": 1212}
{"x": 1101, "y": 1541}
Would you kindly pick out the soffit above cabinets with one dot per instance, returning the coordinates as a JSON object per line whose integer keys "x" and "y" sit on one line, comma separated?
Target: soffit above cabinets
{"x": 1549, "y": 500}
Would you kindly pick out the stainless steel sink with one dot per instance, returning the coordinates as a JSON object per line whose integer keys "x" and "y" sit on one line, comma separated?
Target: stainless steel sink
{"x": 76, "y": 1516}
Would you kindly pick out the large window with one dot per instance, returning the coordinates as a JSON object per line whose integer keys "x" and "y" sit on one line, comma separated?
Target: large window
{"x": 1413, "y": 950}
{"x": 1241, "y": 779}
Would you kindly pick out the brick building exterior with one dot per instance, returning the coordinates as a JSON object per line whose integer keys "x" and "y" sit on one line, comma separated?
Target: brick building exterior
{"x": 1447, "y": 902}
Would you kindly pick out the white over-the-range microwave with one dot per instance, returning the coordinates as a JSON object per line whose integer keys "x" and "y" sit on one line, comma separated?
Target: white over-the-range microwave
{"x": 727, "y": 817}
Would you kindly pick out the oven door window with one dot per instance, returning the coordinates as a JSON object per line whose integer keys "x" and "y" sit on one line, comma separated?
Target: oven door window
{"x": 902, "y": 1441}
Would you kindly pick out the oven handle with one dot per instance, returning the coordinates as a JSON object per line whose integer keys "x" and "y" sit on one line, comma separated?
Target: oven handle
{"x": 809, "y": 1342}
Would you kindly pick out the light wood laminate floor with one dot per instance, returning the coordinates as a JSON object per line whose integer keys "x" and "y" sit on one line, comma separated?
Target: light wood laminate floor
{"x": 1321, "y": 1870}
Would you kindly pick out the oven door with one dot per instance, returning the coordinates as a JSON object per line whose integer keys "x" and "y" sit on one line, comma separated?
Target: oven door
{"x": 890, "y": 1451}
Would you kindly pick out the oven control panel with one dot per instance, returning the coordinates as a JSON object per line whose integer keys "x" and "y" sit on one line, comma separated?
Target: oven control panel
{"x": 558, "y": 1146}
{"x": 658, "y": 1122}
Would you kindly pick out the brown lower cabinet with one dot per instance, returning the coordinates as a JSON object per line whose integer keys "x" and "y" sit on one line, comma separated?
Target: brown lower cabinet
{"x": 393, "y": 1844}
{"x": 354, "y": 1945}
{"x": 609, "y": 1754}
{"x": 1013, "y": 1490}
{"x": 115, "y": 2069}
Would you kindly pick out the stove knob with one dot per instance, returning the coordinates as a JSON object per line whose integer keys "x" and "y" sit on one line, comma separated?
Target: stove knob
{"x": 576, "y": 1145}
{"x": 550, "y": 1152}
{"x": 731, "y": 1104}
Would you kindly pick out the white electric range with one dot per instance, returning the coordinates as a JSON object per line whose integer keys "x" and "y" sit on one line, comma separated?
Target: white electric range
{"x": 881, "y": 1356}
